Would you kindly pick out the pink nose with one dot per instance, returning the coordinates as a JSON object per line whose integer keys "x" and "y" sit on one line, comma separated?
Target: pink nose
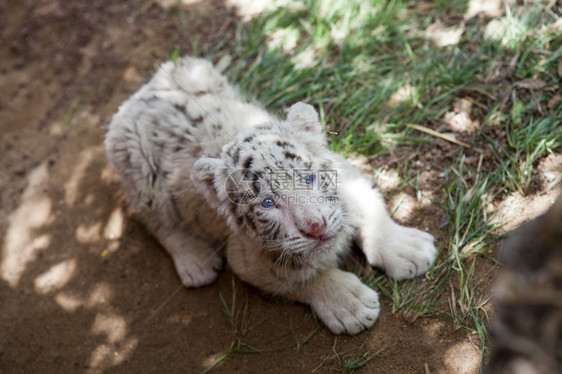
{"x": 314, "y": 228}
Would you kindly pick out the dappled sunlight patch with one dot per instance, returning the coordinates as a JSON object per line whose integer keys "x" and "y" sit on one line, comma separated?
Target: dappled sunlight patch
{"x": 345, "y": 20}
{"x": 387, "y": 180}
{"x": 117, "y": 348}
{"x": 84, "y": 160}
{"x": 462, "y": 358}
{"x": 504, "y": 31}
{"x": 101, "y": 294}
{"x": 16, "y": 257}
{"x": 433, "y": 328}
{"x": 132, "y": 75}
{"x": 112, "y": 326}
{"x": 68, "y": 302}
{"x": 248, "y": 9}
{"x": 459, "y": 119}
{"x": 406, "y": 93}
{"x": 108, "y": 175}
{"x": 460, "y": 122}
{"x": 89, "y": 199}
{"x": 110, "y": 248}
{"x": 509, "y": 29}
{"x": 21, "y": 245}
{"x": 88, "y": 233}
{"x": 402, "y": 206}
{"x": 550, "y": 170}
{"x": 56, "y": 128}
{"x": 114, "y": 227}
{"x": 283, "y": 39}
{"x": 516, "y": 209}
{"x": 424, "y": 197}
{"x": 360, "y": 162}
{"x": 305, "y": 59}
{"x": 442, "y": 35}
{"x": 488, "y": 8}
{"x": 108, "y": 355}
{"x": 56, "y": 277}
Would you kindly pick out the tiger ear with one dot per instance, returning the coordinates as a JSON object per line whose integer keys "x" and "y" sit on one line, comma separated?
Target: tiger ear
{"x": 305, "y": 125}
{"x": 304, "y": 117}
{"x": 206, "y": 175}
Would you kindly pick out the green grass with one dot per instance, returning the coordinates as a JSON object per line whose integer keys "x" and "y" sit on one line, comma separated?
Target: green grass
{"x": 348, "y": 58}
{"x": 236, "y": 313}
{"x": 348, "y": 362}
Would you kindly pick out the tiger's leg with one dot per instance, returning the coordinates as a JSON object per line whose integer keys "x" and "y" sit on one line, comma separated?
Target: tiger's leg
{"x": 197, "y": 262}
{"x": 339, "y": 298}
{"x": 402, "y": 252}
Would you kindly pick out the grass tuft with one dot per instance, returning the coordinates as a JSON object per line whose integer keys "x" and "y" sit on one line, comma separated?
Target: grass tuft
{"x": 372, "y": 68}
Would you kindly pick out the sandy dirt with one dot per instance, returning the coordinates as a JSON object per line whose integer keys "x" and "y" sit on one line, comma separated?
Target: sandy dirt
{"x": 83, "y": 288}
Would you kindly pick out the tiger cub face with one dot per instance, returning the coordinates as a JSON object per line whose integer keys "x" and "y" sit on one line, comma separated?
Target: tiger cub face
{"x": 276, "y": 184}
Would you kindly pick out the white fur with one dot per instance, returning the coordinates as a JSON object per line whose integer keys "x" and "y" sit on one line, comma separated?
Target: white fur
{"x": 186, "y": 144}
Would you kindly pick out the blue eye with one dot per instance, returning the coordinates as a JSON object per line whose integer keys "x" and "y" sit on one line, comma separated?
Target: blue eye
{"x": 268, "y": 202}
{"x": 309, "y": 179}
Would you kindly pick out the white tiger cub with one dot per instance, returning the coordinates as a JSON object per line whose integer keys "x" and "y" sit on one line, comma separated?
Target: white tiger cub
{"x": 204, "y": 170}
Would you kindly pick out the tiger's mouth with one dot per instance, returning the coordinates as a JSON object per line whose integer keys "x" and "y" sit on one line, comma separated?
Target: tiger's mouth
{"x": 322, "y": 243}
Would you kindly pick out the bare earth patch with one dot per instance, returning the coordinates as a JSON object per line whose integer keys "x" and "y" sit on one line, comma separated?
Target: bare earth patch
{"x": 85, "y": 289}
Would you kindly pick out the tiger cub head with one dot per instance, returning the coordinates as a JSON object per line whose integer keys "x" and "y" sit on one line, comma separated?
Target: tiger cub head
{"x": 275, "y": 183}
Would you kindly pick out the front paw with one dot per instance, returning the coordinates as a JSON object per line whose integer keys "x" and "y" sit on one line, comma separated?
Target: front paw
{"x": 403, "y": 252}
{"x": 345, "y": 304}
{"x": 197, "y": 271}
